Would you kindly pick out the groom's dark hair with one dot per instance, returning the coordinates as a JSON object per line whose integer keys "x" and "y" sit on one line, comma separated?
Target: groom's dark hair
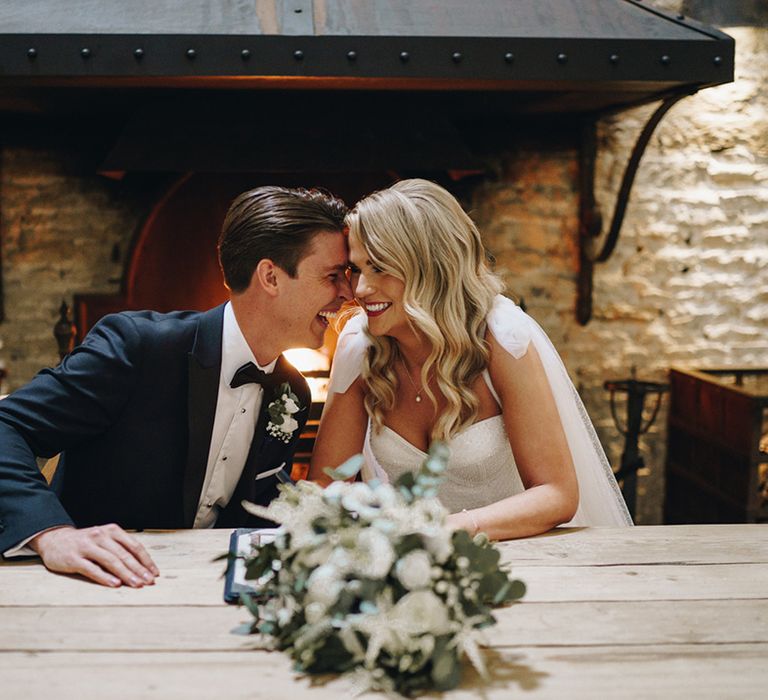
{"x": 277, "y": 223}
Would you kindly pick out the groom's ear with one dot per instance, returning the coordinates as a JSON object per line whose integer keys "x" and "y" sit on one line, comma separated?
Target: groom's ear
{"x": 266, "y": 277}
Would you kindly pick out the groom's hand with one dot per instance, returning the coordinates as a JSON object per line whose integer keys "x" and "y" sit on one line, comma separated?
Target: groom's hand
{"x": 106, "y": 554}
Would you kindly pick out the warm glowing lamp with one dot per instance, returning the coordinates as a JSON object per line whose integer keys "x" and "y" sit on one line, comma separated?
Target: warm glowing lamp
{"x": 314, "y": 365}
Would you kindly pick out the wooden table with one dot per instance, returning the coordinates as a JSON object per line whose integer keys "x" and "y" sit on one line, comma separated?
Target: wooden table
{"x": 643, "y": 612}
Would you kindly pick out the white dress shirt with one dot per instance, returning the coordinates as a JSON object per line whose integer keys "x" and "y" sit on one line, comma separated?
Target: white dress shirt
{"x": 237, "y": 412}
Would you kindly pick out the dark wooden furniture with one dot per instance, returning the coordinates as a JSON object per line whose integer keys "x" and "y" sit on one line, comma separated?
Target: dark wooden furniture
{"x": 716, "y": 471}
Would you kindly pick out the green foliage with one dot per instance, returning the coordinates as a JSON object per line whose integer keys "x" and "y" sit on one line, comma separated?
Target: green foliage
{"x": 348, "y": 470}
{"x": 367, "y": 579}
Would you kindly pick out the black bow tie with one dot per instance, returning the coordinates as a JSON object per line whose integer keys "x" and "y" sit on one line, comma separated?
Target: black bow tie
{"x": 251, "y": 374}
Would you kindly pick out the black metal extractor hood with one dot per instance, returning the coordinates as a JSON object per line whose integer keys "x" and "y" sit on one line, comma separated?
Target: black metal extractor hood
{"x": 556, "y": 55}
{"x": 291, "y": 85}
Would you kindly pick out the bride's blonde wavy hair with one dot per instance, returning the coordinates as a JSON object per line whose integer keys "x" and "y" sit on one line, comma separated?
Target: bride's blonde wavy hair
{"x": 418, "y": 232}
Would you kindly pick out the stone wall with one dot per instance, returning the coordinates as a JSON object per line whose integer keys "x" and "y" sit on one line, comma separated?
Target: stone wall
{"x": 687, "y": 284}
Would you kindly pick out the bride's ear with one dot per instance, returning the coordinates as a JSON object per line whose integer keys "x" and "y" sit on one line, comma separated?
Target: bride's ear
{"x": 266, "y": 276}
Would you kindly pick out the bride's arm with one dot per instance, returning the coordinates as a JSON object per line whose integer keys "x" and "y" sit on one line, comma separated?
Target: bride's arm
{"x": 540, "y": 448}
{"x": 341, "y": 432}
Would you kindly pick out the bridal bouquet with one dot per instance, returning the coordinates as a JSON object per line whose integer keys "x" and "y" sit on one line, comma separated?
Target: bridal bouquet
{"x": 364, "y": 578}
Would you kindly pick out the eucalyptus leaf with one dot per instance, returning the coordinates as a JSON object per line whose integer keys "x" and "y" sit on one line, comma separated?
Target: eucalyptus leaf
{"x": 249, "y": 602}
{"x": 408, "y": 543}
{"x": 332, "y": 655}
{"x": 275, "y": 414}
{"x": 369, "y": 589}
{"x": 347, "y": 470}
{"x": 436, "y": 466}
{"x": 517, "y": 590}
{"x": 267, "y": 627}
{"x": 405, "y": 482}
{"x": 446, "y": 670}
{"x": 502, "y": 592}
{"x": 425, "y": 480}
{"x": 485, "y": 559}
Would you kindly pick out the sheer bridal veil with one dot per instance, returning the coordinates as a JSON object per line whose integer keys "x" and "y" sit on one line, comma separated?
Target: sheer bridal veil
{"x": 600, "y": 499}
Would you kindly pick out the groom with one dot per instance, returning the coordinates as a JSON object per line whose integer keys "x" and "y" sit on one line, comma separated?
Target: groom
{"x": 162, "y": 419}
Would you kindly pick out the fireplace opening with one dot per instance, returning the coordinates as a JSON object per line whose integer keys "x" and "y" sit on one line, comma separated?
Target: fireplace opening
{"x": 172, "y": 263}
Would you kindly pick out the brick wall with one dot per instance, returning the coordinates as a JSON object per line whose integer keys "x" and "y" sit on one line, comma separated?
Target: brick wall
{"x": 64, "y": 230}
{"x": 687, "y": 284}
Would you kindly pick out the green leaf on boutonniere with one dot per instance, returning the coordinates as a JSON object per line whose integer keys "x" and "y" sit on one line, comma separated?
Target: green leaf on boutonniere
{"x": 285, "y": 390}
{"x": 275, "y": 413}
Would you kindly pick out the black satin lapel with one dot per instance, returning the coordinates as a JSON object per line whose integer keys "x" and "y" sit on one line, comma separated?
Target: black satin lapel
{"x": 202, "y": 394}
{"x": 255, "y": 462}
{"x": 284, "y": 372}
{"x": 270, "y": 451}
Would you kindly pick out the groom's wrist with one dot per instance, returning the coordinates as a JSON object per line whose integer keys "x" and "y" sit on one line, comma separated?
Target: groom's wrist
{"x": 36, "y": 542}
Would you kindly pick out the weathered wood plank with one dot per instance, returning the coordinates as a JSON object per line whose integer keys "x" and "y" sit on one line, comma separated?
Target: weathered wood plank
{"x": 701, "y": 671}
{"x": 690, "y": 544}
{"x": 191, "y": 628}
{"x": 644, "y": 582}
{"x": 687, "y": 544}
{"x": 32, "y": 585}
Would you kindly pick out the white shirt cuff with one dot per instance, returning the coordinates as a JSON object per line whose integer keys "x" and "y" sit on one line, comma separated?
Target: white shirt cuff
{"x": 21, "y": 549}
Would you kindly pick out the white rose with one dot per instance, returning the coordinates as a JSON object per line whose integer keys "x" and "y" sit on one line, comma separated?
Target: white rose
{"x": 430, "y": 510}
{"x": 335, "y": 491}
{"x": 289, "y": 425}
{"x": 361, "y": 499}
{"x": 314, "y": 612}
{"x": 290, "y": 405}
{"x": 420, "y": 612}
{"x": 387, "y": 496}
{"x": 341, "y": 560}
{"x": 438, "y": 542}
{"x": 373, "y": 556}
{"x": 310, "y": 489}
{"x": 314, "y": 557}
{"x": 324, "y": 586}
{"x": 414, "y": 570}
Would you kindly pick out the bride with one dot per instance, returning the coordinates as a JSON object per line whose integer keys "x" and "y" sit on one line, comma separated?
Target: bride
{"x": 436, "y": 353}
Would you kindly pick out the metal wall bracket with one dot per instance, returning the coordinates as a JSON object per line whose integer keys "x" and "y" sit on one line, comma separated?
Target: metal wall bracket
{"x": 590, "y": 217}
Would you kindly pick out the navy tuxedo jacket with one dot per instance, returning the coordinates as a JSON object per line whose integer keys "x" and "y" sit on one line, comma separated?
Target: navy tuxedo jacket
{"x": 131, "y": 410}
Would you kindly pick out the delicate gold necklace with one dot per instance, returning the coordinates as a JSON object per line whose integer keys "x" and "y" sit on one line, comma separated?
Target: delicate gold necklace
{"x": 410, "y": 379}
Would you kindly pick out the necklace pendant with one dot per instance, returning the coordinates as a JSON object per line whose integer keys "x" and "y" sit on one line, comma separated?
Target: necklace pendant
{"x": 418, "y": 398}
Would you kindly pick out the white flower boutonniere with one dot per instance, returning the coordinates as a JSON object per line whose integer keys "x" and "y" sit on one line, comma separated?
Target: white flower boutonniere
{"x": 282, "y": 424}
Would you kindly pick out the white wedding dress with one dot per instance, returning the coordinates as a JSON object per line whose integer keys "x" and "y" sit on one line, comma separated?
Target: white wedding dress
{"x": 481, "y": 468}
